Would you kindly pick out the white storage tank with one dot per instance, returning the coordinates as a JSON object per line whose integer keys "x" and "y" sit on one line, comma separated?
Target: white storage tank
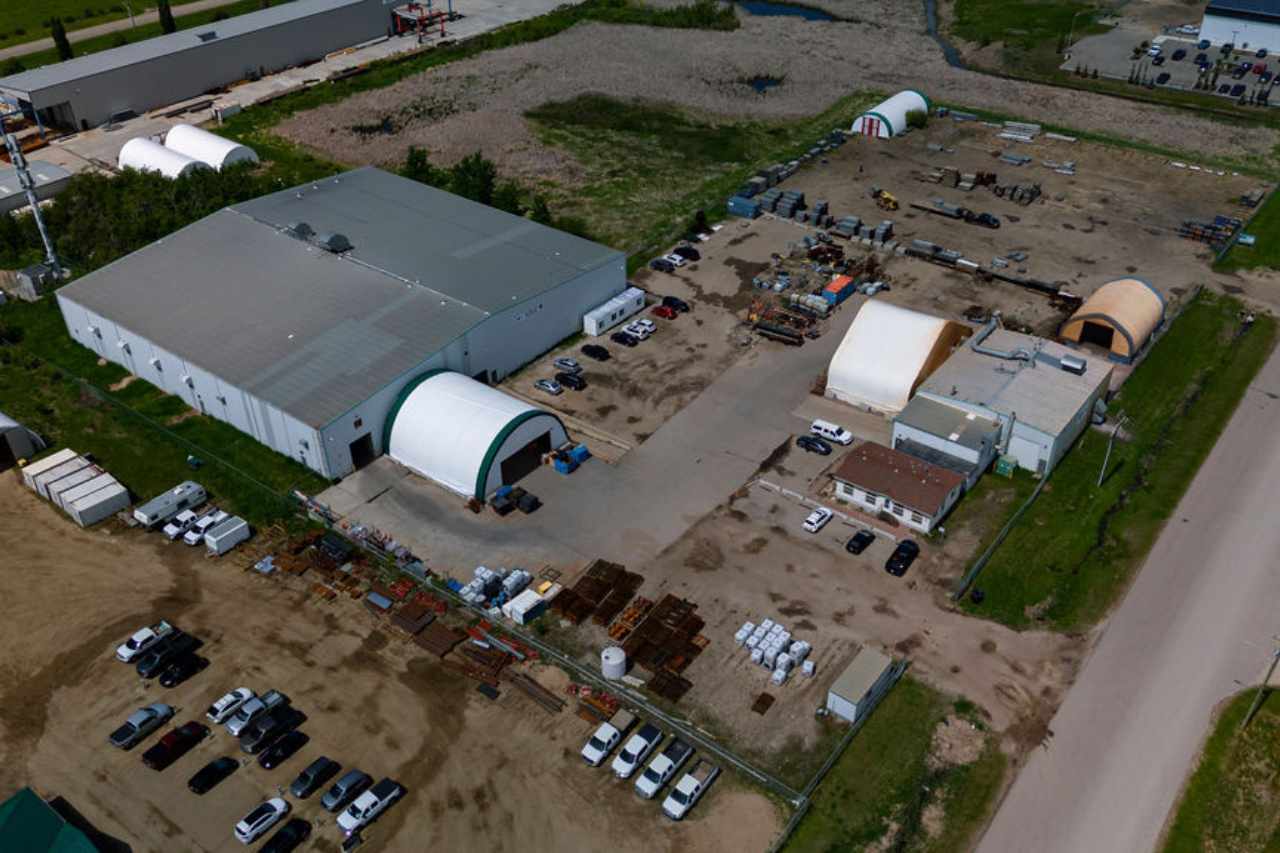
{"x": 613, "y": 663}
{"x": 214, "y": 151}
{"x": 147, "y": 156}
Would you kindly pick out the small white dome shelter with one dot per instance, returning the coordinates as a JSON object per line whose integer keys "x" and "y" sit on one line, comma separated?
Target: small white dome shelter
{"x": 886, "y": 354}
{"x": 466, "y": 436}
{"x": 147, "y": 156}
{"x": 214, "y": 151}
{"x": 889, "y": 118}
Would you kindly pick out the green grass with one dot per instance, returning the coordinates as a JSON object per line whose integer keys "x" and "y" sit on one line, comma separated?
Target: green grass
{"x": 138, "y": 440}
{"x": 884, "y": 777}
{"x": 134, "y": 34}
{"x": 1265, "y": 226}
{"x": 1073, "y": 553}
{"x": 25, "y": 20}
{"x": 650, "y": 166}
{"x": 1024, "y": 23}
{"x": 1232, "y": 801}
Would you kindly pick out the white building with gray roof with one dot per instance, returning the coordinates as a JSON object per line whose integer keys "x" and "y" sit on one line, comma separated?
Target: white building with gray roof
{"x": 1038, "y": 395}
{"x": 301, "y": 316}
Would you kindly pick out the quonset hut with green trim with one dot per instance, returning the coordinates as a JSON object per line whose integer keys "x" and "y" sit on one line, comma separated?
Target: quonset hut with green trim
{"x": 319, "y": 320}
{"x": 889, "y": 118}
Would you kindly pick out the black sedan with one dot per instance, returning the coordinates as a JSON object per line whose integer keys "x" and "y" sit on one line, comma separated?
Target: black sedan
{"x": 595, "y": 351}
{"x": 1159, "y": 60}
{"x": 182, "y": 669}
{"x": 624, "y": 339}
{"x": 288, "y": 837}
{"x": 687, "y": 252}
{"x": 1238, "y": 90}
{"x": 902, "y": 558}
{"x": 662, "y": 265}
{"x": 571, "y": 380}
{"x": 860, "y": 542}
{"x": 1162, "y": 79}
{"x": 813, "y": 444}
{"x": 283, "y": 749}
{"x": 675, "y": 304}
{"x": 208, "y": 777}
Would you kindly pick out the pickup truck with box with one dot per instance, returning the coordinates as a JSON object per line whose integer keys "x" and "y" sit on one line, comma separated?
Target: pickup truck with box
{"x": 607, "y": 737}
{"x": 636, "y": 750}
{"x": 689, "y": 789}
{"x": 142, "y": 640}
{"x": 662, "y": 768}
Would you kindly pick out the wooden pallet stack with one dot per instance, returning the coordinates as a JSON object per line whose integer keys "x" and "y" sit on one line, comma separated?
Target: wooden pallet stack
{"x": 627, "y": 621}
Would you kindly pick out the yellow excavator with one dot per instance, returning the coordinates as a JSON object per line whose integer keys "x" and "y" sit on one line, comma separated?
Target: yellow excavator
{"x": 885, "y": 200}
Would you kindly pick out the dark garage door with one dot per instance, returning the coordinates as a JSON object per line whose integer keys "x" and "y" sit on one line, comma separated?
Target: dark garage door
{"x": 362, "y": 451}
{"x": 1097, "y": 334}
{"x": 525, "y": 460}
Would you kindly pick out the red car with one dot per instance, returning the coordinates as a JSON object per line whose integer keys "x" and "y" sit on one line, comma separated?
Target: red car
{"x": 1259, "y": 68}
{"x": 664, "y": 311}
{"x": 174, "y": 745}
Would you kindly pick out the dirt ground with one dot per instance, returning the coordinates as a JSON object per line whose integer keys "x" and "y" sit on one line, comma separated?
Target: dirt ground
{"x": 500, "y": 775}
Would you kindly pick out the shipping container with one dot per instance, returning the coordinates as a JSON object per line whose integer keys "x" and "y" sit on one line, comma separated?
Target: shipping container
{"x": 53, "y": 475}
{"x": 99, "y": 504}
{"x": 70, "y": 482}
{"x": 840, "y": 289}
{"x": 33, "y": 469}
{"x": 226, "y": 535}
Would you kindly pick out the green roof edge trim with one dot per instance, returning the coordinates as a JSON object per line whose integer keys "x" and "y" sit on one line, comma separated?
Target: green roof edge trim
{"x": 482, "y": 476}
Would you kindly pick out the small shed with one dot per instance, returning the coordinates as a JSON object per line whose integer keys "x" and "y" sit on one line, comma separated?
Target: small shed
{"x": 889, "y": 118}
{"x": 16, "y": 442}
{"x": 1120, "y": 317}
{"x": 861, "y": 685}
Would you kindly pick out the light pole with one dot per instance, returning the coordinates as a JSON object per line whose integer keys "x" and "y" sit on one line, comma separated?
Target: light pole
{"x": 1102, "y": 472}
{"x": 1257, "y": 700}
{"x": 1072, "y": 31}
{"x": 129, "y": 8}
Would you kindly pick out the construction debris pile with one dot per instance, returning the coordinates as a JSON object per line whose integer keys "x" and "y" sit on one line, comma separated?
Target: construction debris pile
{"x": 601, "y": 593}
{"x": 665, "y": 641}
{"x": 1217, "y": 233}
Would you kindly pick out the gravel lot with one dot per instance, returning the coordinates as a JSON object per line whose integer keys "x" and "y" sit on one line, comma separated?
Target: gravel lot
{"x": 478, "y": 104}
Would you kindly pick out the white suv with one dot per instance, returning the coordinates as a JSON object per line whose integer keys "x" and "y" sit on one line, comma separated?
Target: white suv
{"x": 369, "y": 805}
{"x": 266, "y": 815}
{"x": 817, "y": 519}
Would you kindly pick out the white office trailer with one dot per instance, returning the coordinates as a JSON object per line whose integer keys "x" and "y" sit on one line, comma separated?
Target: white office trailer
{"x": 861, "y": 685}
{"x": 302, "y": 317}
{"x": 185, "y": 495}
{"x": 604, "y": 317}
{"x": 146, "y": 155}
{"x": 216, "y": 152}
{"x": 227, "y": 535}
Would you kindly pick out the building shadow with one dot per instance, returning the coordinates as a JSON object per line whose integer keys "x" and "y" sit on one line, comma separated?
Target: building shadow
{"x": 105, "y": 843}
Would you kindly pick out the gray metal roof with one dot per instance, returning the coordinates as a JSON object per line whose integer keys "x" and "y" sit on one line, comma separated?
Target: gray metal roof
{"x": 41, "y": 173}
{"x": 153, "y": 48}
{"x": 952, "y": 423}
{"x": 861, "y": 675}
{"x": 314, "y": 333}
{"x": 1038, "y": 393}
{"x": 463, "y": 250}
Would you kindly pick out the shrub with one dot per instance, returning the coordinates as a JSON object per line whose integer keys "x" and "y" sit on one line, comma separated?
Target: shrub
{"x": 917, "y": 119}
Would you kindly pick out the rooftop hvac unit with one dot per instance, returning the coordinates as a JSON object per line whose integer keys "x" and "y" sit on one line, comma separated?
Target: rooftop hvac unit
{"x": 301, "y": 230}
{"x": 124, "y": 345}
{"x": 336, "y": 243}
{"x": 154, "y": 362}
{"x": 186, "y": 380}
{"x": 1073, "y": 364}
{"x": 95, "y": 331}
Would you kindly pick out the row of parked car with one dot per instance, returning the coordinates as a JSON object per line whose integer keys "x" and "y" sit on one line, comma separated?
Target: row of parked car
{"x": 676, "y": 258}
{"x": 163, "y": 651}
{"x": 683, "y": 795}
{"x": 266, "y": 726}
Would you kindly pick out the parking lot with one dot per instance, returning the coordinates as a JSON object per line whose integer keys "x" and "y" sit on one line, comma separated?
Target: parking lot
{"x": 476, "y": 771}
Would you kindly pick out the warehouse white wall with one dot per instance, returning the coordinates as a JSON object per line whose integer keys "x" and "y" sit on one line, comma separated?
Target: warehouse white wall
{"x": 509, "y": 340}
{"x": 1249, "y": 35}
{"x": 206, "y": 392}
{"x": 185, "y": 74}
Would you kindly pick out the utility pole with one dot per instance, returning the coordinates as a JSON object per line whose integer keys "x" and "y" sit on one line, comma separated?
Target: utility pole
{"x": 128, "y": 7}
{"x": 29, "y": 187}
{"x": 1262, "y": 688}
{"x": 1102, "y": 472}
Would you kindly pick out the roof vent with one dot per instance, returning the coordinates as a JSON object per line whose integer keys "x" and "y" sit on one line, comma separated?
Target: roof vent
{"x": 1073, "y": 364}
{"x": 336, "y": 243}
{"x": 209, "y": 36}
{"x": 301, "y": 230}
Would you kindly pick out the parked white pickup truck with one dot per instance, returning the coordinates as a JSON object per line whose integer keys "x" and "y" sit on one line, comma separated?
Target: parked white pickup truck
{"x": 689, "y": 789}
{"x": 662, "y": 768}
{"x": 142, "y": 639}
{"x": 636, "y": 750}
{"x": 607, "y": 737}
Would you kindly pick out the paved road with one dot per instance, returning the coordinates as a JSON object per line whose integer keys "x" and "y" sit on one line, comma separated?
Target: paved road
{"x": 1195, "y": 627}
{"x": 149, "y": 16}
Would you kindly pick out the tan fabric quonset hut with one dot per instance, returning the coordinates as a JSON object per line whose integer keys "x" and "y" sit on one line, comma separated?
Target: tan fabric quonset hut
{"x": 886, "y": 354}
{"x": 1120, "y": 317}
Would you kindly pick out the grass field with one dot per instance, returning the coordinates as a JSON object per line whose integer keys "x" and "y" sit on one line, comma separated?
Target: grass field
{"x": 1265, "y": 226}
{"x": 138, "y": 33}
{"x": 24, "y": 20}
{"x": 138, "y": 433}
{"x": 1232, "y": 801}
{"x": 884, "y": 778}
{"x": 649, "y": 166}
{"x": 1075, "y": 550}
{"x": 1024, "y": 23}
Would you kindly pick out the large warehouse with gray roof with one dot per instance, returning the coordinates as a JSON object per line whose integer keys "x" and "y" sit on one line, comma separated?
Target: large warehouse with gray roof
{"x": 301, "y": 317}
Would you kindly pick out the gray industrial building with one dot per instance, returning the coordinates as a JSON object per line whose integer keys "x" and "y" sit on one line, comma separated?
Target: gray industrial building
{"x": 299, "y": 317}
{"x": 1038, "y": 395}
{"x": 90, "y": 90}
{"x": 47, "y": 178}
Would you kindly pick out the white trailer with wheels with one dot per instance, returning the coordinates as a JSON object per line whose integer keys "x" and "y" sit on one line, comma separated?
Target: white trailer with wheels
{"x": 226, "y": 535}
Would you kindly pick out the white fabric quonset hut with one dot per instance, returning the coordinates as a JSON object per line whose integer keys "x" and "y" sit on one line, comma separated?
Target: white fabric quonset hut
{"x": 468, "y": 437}
{"x": 214, "y": 151}
{"x": 889, "y": 118}
{"x": 148, "y": 156}
{"x": 887, "y": 352}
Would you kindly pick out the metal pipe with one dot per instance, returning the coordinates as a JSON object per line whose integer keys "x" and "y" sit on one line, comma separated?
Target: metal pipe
{"x": 1019, "y": 354}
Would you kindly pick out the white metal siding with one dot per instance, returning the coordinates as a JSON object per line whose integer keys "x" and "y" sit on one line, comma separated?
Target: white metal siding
{"x": 1249, "y": 35}
{"x": 903, "y": 431}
